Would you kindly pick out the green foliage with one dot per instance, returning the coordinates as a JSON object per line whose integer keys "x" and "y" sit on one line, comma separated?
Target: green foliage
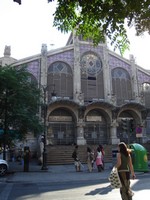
{"x": 19, "y": 100}
{"x": 99, "y": 18}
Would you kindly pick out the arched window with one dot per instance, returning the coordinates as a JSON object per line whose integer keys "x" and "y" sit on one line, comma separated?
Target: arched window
{"x": 146, "y": 92}
{"x": 91, "y": 77}
{"x": 121, "y": 85}
{"x": 60, "y": 76}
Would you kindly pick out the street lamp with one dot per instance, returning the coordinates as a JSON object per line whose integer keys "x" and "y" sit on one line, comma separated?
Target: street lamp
{"x": 5, "y": 126}
{"x": 44, "y": 163}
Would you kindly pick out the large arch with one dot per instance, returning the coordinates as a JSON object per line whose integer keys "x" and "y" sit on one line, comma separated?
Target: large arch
{"x": 97, "y": 124}
{"x": 61, "y": 125}
{"x": 131, "y": 114}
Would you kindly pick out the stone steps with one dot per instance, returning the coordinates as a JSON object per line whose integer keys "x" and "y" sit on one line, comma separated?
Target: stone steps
{"x": 63, "y": 154}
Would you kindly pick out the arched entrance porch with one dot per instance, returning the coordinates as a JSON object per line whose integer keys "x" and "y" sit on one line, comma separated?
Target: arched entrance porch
{"x": 61, "y": 127}
{"x": 97, "y": 127}
{"x": 129, "y": 119}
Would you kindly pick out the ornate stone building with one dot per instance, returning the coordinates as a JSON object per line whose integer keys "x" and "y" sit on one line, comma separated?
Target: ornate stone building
{"x": 90, "y": 91}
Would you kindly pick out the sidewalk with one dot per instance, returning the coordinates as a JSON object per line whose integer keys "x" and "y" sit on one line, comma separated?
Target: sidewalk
{"x": 55, "y": 173}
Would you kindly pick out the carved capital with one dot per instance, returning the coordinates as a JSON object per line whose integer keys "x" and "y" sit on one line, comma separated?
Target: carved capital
{"x": 81, "y": 111}
{"x": 144, "y": 114}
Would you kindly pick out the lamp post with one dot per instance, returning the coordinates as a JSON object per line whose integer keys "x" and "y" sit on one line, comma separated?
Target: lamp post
{"x": 5, "y": 126}
{"x": 44, "y": 163}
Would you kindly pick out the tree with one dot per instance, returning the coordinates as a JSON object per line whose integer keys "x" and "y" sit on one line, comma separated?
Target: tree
{"x": 19, "y": 102}
{"x": 99, "y": 18}
{"x": 18, "y": 1}
{"x": 96, "y": 19}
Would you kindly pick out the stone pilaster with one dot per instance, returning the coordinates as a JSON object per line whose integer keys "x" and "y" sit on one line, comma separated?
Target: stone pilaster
{"x": 107, "y": 77}
{"x": 144, "y": 135}
{"x": 80, "y": 133}
{"x": 134, "y": 80}
{"x": 44, "y": 65}
{"x": 113, "y": 133}
{"x": 80, "y": 126}
{"x": 78, "y": 95}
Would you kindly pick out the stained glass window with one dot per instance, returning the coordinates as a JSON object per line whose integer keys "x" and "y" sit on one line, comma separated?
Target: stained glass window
{"x": 59, "y": 67}
{"x": 60, "y": 75}
{"x": 120, "y": 73}
{"x": 91, "y": 64}
{"x": 121, "y": 85}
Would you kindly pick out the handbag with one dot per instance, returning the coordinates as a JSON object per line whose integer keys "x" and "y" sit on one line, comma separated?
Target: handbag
{"x": 114, "y": 178}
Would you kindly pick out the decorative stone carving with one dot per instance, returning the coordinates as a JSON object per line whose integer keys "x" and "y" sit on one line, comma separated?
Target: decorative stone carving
{"x": 79, "y": 96}
{"x": 114, "y": 123}
{"x": 7, "y": 51}
{"x": 131, "y": 57}
{"x": 144, "y": 114}
{"x": 142, "y": 98}
{"x": 113, "y": 99}
{"x": 44, "y": 50}
{"x": 81, "y": 112}
{"x": 115, "y": 113}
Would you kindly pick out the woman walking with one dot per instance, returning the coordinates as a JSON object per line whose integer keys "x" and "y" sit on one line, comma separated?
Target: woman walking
{"x": 90, "y": 159}
{"x": 124, "y": 166}
{"x": 99, "y": 162}
{"x": 103, "y": 154}
{"x": 77, "y": 162}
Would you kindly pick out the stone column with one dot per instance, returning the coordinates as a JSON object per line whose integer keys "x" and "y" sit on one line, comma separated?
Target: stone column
{"x": 144, "y": 115}
{"x": 134, "y": 80}
{"x": 113, "y": 133}
{"x": 80, "y": 133}
{"x": 44, "y": 65}
{"x": 43, "y": 86}
{"x": 80, "y": 126}
{"x": 107, "y": 77}
{"x": 144, "y": 135}
{"x": 78, "y": 95}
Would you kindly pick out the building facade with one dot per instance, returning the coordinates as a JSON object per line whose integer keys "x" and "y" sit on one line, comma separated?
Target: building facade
{"x": 90, "y": 93}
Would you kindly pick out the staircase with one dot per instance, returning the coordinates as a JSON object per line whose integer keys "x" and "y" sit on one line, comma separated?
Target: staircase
{"x": 58, "y": 155}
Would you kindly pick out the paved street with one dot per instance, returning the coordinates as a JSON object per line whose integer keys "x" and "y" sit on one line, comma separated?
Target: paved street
{"x": 71, "y": 190}
{"x": 63, "y": 183}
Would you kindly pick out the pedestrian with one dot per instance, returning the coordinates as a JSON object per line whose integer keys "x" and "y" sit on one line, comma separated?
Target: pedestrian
{"x": 103, "y": 154}
{"x": 90, "y": 159}
{"x": 99, "y": 162}
{"x": 77, "y": 162}
{"x": 124, "y": 166}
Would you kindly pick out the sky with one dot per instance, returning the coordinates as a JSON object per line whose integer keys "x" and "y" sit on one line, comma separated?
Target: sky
{"x": 27, "y": 26}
